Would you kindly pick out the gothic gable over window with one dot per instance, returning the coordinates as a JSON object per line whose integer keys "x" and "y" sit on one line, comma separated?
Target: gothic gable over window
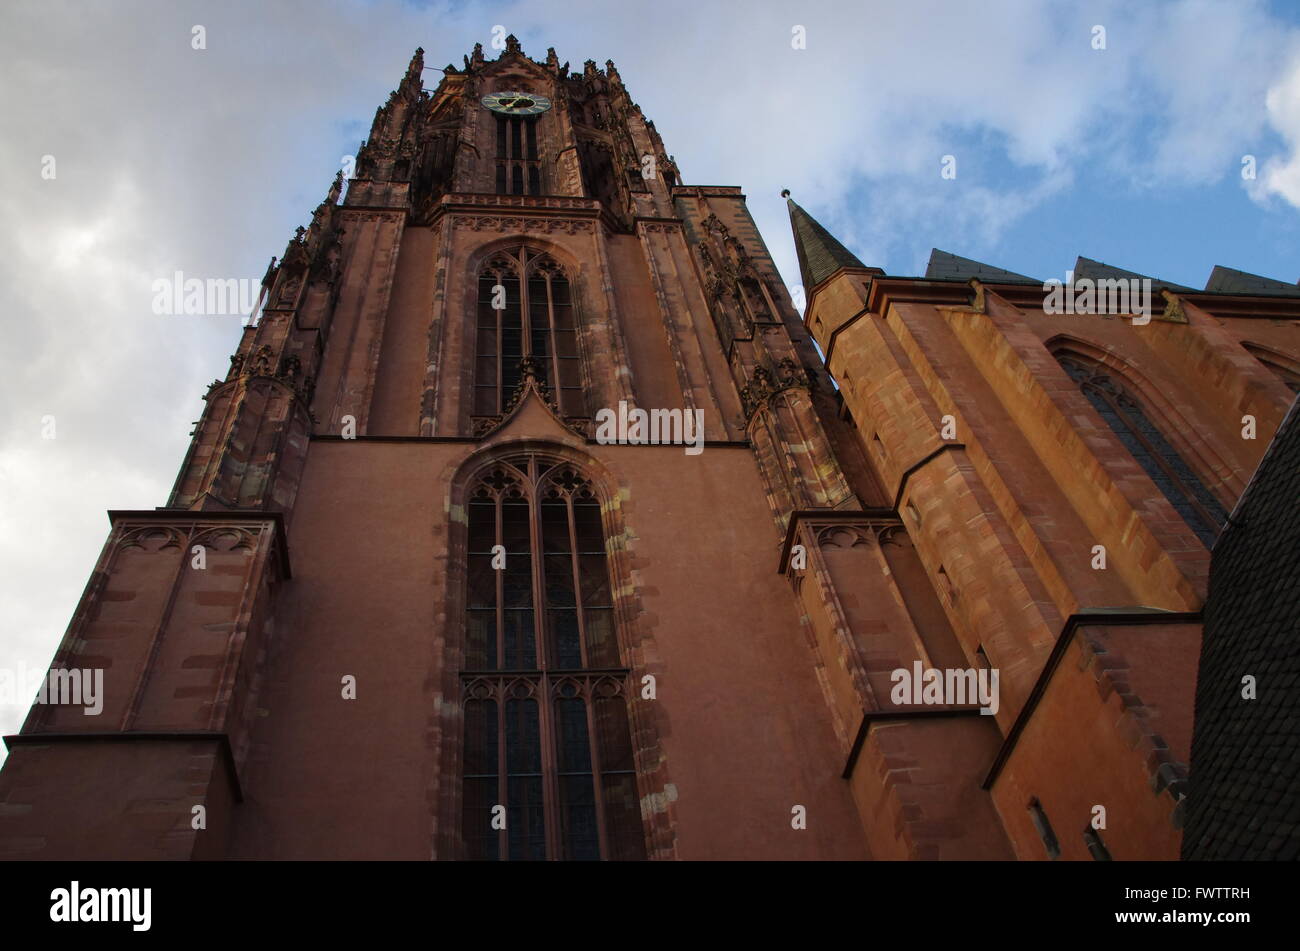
{"x": 525, "y": 310}
{"x": 1125, "y": 415}
{"x": 548, "y": 751}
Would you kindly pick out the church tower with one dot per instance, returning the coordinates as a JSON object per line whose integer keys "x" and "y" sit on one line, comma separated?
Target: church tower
{"x": 477, "y": 548}
{"x": 530, "y": 523}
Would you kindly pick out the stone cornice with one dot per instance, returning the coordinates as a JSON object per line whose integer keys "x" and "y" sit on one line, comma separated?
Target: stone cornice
{"x": 707, "y": 191}
{"x": 1241, "y": 306}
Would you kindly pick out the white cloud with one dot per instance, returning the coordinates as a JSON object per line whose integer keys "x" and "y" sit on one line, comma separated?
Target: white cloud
{"x": 1280, "y": 175}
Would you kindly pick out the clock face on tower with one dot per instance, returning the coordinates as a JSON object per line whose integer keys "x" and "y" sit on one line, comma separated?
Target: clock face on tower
{"x": 516, "y": 103}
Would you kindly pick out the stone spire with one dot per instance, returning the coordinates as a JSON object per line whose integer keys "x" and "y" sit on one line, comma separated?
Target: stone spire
{"x": 820, "y": 254}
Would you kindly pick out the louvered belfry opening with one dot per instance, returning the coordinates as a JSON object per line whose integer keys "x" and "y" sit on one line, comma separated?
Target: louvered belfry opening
{"x": 519, "y": 170}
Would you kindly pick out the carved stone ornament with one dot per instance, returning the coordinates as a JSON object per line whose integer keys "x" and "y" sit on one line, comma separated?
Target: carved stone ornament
{"x": 262, "y": 363}
{"x": 763, "y": 385}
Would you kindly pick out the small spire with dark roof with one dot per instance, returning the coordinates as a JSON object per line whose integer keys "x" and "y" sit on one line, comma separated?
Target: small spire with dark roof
{"x": 820, "y": 254}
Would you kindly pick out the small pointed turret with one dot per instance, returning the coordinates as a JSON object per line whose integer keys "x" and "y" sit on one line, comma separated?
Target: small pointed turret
{"x": 416, "y": 67}
{"x": 820, "y": 254}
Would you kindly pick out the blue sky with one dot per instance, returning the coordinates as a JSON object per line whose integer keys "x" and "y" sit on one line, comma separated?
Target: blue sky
{"x": 171, "y": 158}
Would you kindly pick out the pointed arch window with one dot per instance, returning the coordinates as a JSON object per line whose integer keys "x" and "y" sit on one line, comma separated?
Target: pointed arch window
{"x": 512, "y": 325}
{"x": 544, "y": 685}
{"x": 1125, "y": 416}
{"x": 517, "y": 159}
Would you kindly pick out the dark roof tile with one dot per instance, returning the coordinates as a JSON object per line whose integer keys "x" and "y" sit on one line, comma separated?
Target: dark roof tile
{"x": 820, "y": 254}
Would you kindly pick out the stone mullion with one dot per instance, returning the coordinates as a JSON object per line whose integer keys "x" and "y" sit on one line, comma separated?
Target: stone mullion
{"x": 593, "y": 745}
{"x": 552, "y": 823}
{"x": 503, "y": 777}
{"x": 557, "y": 389}
{"x": 576, "y": 568}
{"x": 499, "y": 580}
{"x": 499, "y": 315}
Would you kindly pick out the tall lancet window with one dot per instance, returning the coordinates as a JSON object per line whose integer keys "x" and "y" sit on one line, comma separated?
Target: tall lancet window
{"x": 511, "y": 325}
{"x": 548, "y": 752}
{"x": 1167, "y": 469}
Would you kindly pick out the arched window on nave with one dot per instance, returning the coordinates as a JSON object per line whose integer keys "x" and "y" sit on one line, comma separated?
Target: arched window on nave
{"x": 1127, "y": 418}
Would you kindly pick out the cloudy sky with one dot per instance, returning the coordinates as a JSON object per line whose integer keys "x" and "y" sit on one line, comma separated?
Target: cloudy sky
{"x": 169, "y": 158}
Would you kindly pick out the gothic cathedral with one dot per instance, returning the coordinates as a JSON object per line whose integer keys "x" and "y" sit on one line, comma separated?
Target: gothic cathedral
{"x": 532, "y": 521}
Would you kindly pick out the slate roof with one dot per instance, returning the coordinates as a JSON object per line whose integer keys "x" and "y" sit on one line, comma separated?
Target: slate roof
{"x": 1226, "y": 280}
{"x": 1244, "y": 783}
{"x": 820, "y": 254}
{"x": 944, "y": 266}
{"x": 1096, "y": 270}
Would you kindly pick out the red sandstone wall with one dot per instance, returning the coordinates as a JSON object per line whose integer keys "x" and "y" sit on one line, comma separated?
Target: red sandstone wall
{"x": 746, "y": 738}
